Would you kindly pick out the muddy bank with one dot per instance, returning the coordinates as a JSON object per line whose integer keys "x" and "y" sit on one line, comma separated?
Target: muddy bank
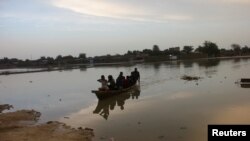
{"x": 21, "y": 125}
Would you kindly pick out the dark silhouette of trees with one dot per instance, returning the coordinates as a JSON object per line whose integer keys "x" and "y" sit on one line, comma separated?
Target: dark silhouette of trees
{"x": 50, "y": 60}
{"x": 174, "y": 51}
{"x": 6, "y": 60}
{"x": 245, "y": 50}
{"x": 147, "y": 51}
{"x": 236, "y": 48}
{"x": 156, "y": 48}
{"x": 42, "y": 58}
{"x": 129, "y": 52}
{"x": 199, "y": 49}
{"x": 59, "y": 58}
{"x": 82, "y": 56}
{"x": 166, "y": 51}
{"x": 209, "y": 48}
{"x": 187, "y": 49}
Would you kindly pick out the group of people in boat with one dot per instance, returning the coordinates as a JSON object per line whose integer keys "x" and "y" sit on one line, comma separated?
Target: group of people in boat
{"x": 121, "y": 81}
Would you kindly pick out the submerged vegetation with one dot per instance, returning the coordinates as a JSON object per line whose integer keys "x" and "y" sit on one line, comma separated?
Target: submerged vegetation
{"x": 190, "y": 78}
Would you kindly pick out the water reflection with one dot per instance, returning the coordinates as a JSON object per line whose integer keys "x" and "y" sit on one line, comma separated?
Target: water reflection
{"x": 188, "y": 64}
{"x": 83, "y": 68}
{"x": 104, "y": 107}
{"x": 208, "y": 63}
{"x": 236, "y": 60}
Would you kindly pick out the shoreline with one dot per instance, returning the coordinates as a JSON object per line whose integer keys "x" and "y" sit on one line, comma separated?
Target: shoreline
{"x": 22, "y": 125}
{"x": 85, "y": 66}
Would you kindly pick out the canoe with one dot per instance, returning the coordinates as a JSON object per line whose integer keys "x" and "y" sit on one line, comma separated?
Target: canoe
{"x": 109, "y": 93}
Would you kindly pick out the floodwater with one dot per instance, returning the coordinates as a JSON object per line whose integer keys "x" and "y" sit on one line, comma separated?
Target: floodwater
{"x": 164, "y": 107}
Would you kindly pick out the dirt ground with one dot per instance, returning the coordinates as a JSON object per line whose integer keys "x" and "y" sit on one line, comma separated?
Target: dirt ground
{"x": 21, "y": 126}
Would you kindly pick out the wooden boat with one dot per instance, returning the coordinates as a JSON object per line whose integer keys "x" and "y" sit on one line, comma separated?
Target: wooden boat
{"x": 109, "y": 93}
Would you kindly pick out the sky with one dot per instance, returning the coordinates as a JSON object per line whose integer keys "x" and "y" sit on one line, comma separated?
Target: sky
{"x": 30, "y": 29}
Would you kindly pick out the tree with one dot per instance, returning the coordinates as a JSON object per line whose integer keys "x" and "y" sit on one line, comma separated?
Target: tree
{"x": 166, "y": 51}
{"x": 50, "y": 60}
{"x": 156, "y": 48}
{"x": 199, "y": 49}
{"x": 236, "y": 48}
{"x": 82, "y": 56}
{"x": 135, "y": 52}
{"x": 129, "y": 52}
{"x": 6, "y": 60}
{"x": 42, "y": 58}
{"x": 147, "y": 51}
{"x": 59, "y": 58}
{"x": 210, "y": 48}
{"x": 187, "y": 49}
{"x": 245, "y": 49}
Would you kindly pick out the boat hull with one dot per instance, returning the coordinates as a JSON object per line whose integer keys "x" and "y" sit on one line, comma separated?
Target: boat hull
{"x": 109, "y": 93}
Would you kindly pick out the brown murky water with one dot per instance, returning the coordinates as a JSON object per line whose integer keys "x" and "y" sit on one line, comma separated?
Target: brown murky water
{"x": 164, "y": 107}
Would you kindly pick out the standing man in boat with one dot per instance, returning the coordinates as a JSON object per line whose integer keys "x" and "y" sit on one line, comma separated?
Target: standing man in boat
{"x": 136, "y": 75}
{"x": 104, "y": 83}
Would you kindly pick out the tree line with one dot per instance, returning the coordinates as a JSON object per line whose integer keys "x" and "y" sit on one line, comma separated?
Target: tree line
{"x": 208, "y": 48}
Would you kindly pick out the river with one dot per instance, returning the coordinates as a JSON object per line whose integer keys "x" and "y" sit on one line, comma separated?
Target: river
{"x": 165, "y": 108}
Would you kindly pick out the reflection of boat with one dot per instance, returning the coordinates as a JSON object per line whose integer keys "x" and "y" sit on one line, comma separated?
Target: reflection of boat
{"x": 108, "y": 93}
{"x": 104, "y": 106}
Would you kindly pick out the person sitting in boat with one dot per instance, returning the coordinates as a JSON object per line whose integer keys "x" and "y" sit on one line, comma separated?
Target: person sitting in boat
{"x": 135, "y": 76}
{"x": 111, "y": 82}
{"x": 104, "y": 83}
{"x": 126, "y": 83}
{"x": 120, "y": 80}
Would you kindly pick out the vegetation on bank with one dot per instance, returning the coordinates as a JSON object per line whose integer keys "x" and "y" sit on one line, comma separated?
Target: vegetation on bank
{"x": 208, "y": 49}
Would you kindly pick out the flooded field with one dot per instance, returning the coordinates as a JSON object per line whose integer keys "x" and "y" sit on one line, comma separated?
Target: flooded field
{"x": 164, "y": 107}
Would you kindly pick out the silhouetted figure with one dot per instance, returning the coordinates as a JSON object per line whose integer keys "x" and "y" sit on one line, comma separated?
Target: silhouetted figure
{"x": 135, "y": 76}
{"x": 121, "y": 100}
{"x": 104, "y": 83}
{"x": 112, "y": 104}
{"x": 120, "y": 80}
{"x": 104, "y": 107}
{"x": 111, "y": 83}
{"x": 136, "y": 93}
{"x": 105, "y": 112}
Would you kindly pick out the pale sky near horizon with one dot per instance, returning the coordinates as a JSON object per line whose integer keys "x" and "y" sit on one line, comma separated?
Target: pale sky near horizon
{"x": 35, "y": 28}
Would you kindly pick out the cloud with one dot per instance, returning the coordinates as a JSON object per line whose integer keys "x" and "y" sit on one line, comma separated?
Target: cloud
{"x": 119, "y": 10}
